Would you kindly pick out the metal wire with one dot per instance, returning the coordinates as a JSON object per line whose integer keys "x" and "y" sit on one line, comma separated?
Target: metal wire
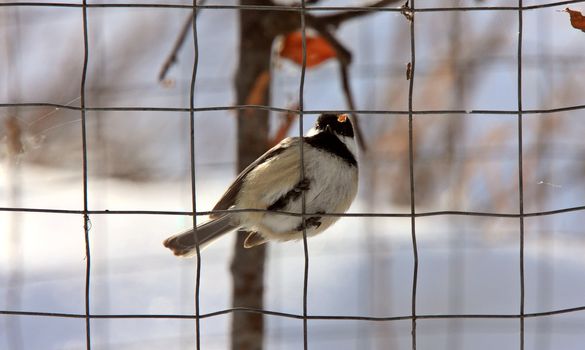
{"x": 296, "y": 111}
{"x": 365, "y": 215}
{"x": 303, "y": 194}
{"x": 295, "y": 8}
{"x": 86, "y": 220}
{"x": 192, "y": 173}
{"x": 521, "y": 174}
{"x": 302, "y": 9}
{"x": 410, "y": 15}
{"x": 297, "y": 316}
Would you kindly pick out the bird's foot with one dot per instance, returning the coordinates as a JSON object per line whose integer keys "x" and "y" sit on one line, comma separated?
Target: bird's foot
{"x": 303, "y": 185}
{"x": 313, "y": 221}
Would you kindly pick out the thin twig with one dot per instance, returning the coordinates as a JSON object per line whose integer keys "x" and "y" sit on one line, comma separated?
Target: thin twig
{"x": 349, "y": 98}
{"x": 336, "y": 19}
{"x": 343, "y": 54}
{"x": 344, "y": 57}
{"x": 172, "y": 57}
{"x": 284, "y": 128}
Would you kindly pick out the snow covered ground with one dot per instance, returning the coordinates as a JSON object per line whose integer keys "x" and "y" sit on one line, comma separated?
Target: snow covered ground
{"x": 360, "y": 267}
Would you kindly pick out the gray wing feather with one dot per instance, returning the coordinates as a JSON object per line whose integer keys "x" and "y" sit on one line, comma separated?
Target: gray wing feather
{"x": 229, "y": 197}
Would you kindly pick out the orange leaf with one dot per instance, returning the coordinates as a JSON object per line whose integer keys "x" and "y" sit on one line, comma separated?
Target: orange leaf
{"x": 318, "y": 49}
{"x": 577, "y": 19}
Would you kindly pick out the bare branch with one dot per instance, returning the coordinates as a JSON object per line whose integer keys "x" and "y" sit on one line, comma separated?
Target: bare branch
{"x": 284, "y": 127}
{"x": 349, "y": 98}
{"x": 14, "y": 136}
{"x": 172, "y": 57}
{"x": 343, "y": 54}
{"x": 257, "y": 95}
{"x": 336, "y": 19}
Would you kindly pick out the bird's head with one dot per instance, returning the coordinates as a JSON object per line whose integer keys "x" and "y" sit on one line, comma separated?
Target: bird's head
{"x": 339, "y": 124}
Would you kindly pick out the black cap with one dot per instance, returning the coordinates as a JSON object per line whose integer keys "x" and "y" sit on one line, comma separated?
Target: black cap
{"x": 338, "y": 123}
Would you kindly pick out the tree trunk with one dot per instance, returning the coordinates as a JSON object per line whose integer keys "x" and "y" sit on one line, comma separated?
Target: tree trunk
{"x": 248, "y": 264}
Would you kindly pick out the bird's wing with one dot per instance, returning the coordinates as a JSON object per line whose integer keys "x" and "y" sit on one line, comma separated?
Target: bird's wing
{"x": 229, "y": 197}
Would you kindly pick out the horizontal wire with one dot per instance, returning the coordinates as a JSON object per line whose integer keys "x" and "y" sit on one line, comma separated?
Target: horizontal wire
{"x": 288, "y": 110}
{"x": 252, "y": 210}
{"x": 289, "y": 7}
{"x": 295, "y": 316}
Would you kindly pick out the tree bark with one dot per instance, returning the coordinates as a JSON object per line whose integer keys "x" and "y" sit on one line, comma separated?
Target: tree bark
{"x": 248, "y": 264}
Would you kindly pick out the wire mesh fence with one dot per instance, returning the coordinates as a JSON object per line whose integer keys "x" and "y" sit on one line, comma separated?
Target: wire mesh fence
{"x": 410, "y": 10}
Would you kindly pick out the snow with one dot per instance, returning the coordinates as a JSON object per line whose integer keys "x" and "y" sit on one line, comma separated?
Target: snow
{"x": 359, "y": 267}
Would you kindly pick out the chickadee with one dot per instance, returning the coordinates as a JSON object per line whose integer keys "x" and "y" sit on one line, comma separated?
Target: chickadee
{"x": 273, "y": 182}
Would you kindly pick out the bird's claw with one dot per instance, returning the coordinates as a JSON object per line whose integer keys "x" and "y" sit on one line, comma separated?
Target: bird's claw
{"x": 313, "y": 221}
{"x": 303, "y": 185}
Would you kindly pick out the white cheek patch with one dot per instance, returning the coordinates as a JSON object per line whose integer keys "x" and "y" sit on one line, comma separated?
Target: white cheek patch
{"x": 350, "y": 143}
{"x": 312, "y": 132}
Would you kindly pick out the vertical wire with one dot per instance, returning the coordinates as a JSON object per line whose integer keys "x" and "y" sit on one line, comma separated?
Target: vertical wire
{"x": 302, "y": 157}
{"x": 520, "y": 173}
{"x": 193, "y": 187}
{"x": 85, "y": 201}
{"x": 411, "y": 171}
{"x": 193, "y": 23}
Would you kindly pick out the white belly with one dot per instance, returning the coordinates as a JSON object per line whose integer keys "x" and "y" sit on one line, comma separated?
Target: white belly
{"x": 329, "y": 192}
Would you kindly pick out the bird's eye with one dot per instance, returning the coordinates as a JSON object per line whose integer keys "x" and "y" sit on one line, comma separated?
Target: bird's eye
{"x": 342, "y": 118}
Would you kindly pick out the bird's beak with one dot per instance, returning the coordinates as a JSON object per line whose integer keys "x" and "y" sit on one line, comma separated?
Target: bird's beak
{"x": 328, "y": 128}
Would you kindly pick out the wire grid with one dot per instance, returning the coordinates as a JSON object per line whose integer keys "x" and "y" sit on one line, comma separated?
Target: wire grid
{"x": 413, "y": 215}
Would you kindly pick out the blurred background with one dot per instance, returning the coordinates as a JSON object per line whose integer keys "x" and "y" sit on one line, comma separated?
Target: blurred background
{"x": 466, "y": 61}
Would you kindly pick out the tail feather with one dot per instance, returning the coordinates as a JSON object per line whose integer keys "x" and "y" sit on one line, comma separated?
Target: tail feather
{"x": 183, "y": 244}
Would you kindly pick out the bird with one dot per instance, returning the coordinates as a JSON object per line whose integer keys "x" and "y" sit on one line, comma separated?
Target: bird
{"x": 274, "y": 182}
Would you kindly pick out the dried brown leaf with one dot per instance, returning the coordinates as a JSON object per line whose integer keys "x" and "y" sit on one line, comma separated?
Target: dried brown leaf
{"x": 577, "y": 19}
{"x": 318, "y": 49}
